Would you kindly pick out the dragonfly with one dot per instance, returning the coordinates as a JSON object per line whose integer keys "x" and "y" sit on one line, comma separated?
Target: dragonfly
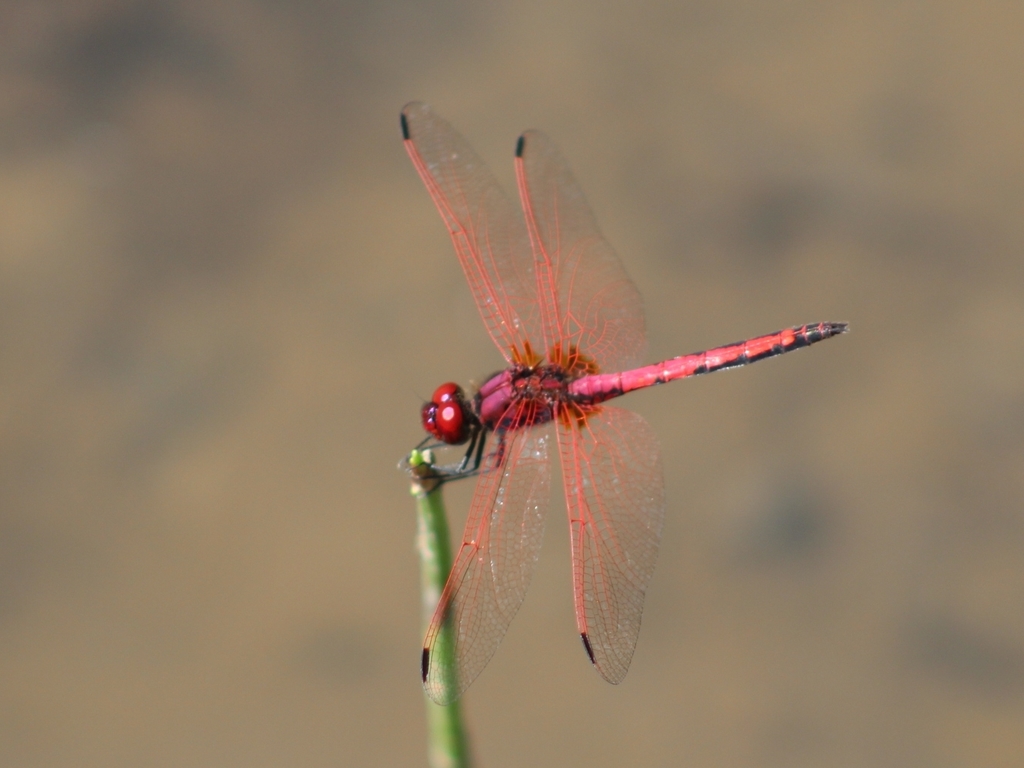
{"x": 558, "y": 304}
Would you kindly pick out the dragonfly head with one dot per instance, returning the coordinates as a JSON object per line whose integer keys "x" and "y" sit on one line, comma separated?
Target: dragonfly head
{"x": 447, "y": 416}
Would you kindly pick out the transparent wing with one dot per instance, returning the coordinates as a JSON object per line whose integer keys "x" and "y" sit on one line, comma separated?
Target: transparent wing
{"x": 487, "y": 231}
{"x": 493, "y": 567}
{"x": 614, "y": 493}
{"x": 586, "y": 298}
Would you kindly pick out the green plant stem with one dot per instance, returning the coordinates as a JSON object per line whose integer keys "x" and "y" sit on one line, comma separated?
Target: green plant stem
{"x": 448, "y": 746}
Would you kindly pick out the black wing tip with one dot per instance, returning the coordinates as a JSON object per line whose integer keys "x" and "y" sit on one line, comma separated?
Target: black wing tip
{"x": 837, "y": 328}
{"x": 586, "y": 646}
{"x": 411, "y": 108}
{"x": 425, "y": 664}
{"x": 520, "y": 145}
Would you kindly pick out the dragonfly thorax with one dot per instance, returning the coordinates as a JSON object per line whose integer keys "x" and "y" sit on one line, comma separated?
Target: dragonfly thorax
{"x": 522, "y": 396}
{"x": 542, "y": 382}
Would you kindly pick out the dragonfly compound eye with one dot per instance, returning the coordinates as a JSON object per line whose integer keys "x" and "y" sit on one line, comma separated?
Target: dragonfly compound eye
{"x": 444, "y": 417}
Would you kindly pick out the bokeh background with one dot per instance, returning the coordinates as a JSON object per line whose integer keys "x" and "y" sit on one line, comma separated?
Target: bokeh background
{"x": 224, "y": 294}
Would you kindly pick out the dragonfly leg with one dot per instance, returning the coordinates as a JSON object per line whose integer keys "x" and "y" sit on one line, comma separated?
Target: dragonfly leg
{"x": 479, "y": 451}
{"x": 470, "y": 463}
{"x": 474, "y": 454}
{"x": 428, "y": 443}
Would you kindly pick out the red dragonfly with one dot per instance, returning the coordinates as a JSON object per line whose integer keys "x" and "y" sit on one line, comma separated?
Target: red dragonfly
{"x": 557, "y": 302}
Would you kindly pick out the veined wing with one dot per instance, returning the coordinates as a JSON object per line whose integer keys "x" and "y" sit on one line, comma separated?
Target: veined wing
{"x": 586, "y": 299}
{"x": 487, "y": 231}
{"x": 614, "y": 493}
{"x": 494, "y": 565}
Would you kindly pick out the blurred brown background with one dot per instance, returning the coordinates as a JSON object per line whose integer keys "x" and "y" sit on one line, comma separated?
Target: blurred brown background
{"x": 224, "y": 293}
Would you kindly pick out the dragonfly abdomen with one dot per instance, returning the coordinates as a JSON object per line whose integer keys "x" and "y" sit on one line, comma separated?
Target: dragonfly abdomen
{"x": 601, "y": 387}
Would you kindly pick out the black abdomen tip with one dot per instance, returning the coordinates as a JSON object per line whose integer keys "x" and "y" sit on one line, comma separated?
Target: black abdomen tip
{"x": 405, "y": 127}
{"x": 586, "y": 645}
{"x": 519, "y": 146}
{"x": 425, "y": 664}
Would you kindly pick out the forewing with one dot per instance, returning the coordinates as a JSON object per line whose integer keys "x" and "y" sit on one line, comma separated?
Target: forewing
{"x": 487, "y": 231}
{"x": 614, "y": 493}
{"x": 493, "y": 567}
{"x": 586, "y": 297}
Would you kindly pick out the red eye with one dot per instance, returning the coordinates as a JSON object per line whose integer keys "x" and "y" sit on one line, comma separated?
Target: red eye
{"x": 448, "y": 392}
{"x": 444, "y": 416}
